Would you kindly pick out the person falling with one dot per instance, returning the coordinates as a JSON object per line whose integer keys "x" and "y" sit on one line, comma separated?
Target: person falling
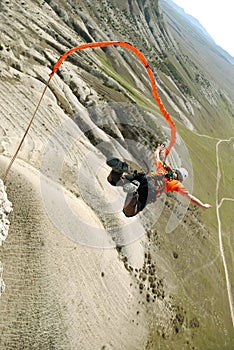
{"x": 143, "y": 189}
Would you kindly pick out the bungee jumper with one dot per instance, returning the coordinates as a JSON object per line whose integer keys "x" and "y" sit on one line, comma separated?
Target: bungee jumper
{"x": 143, "y": 189}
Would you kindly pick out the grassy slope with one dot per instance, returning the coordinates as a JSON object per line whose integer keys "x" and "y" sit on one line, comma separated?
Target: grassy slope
{"x": 209, "y": 77}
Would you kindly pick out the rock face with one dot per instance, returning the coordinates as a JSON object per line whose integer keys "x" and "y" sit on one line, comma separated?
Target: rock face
{"x": 5, "y": 210}
{"x": 79, "y": 274}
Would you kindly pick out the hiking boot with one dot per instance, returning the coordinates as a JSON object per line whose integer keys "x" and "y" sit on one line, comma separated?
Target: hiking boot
{"x": 117, "y": 165}
{"x": 131, "y": 187}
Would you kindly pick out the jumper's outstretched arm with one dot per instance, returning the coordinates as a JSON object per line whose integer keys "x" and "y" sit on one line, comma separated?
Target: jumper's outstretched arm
{"x": 197, "y": 201}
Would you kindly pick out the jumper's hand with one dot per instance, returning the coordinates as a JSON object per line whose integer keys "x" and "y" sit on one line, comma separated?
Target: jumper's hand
{"x": 207, "y": 206}
{"x": 160, "y": 147}
{"x": 197, "y": 201}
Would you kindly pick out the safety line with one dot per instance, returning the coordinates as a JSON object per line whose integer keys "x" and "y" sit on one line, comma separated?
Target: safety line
{"x": 25, "y": 133}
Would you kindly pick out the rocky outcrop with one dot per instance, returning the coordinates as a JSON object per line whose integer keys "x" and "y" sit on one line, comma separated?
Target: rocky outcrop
{"x": 5, "y": 210}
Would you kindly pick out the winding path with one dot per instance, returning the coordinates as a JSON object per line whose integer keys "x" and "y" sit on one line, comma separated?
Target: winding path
{"x": 218, "y": 205}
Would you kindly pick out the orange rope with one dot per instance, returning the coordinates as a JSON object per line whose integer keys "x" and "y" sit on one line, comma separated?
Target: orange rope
{"x": 147, "y": 67}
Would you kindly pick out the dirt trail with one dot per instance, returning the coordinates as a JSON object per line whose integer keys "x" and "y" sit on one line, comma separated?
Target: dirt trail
{"x": 219, "y": 203}
{"x": 218, "y": 206}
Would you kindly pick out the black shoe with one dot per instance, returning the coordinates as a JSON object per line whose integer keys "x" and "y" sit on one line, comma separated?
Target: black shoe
{"x": 117, "y": 165}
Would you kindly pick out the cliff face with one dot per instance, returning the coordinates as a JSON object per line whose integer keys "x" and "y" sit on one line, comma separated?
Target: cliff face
{"x": 78, "y": 274}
